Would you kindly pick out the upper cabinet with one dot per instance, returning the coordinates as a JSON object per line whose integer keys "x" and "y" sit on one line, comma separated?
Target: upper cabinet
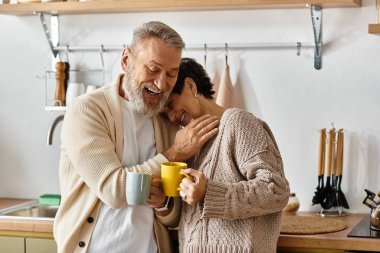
{"x": 75, "y": 7}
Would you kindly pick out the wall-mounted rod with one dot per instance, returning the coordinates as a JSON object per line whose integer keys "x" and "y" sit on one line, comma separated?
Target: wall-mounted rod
{"x": 212, "y": 46}
{"x": 248, "y": 46}
{"x": 89, "y": 48}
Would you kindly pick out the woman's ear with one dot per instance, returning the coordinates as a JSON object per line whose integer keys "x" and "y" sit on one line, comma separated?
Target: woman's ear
{"x": 191, "y": 84}
{"x": 124, "y": 58}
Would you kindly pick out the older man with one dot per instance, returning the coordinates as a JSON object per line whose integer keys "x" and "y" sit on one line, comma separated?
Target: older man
{"x": 117, "y": 129}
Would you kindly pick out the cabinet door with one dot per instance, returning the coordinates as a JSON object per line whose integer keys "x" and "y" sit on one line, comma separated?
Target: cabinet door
{"x": 12, "y": 244}
{"x": 36, "y": 245}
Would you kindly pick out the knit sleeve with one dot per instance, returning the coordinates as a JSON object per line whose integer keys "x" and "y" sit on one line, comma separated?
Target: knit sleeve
{"x": 152, "y": 166}
{"x": 252, "y": 150}
{"x": 172, "y": 219}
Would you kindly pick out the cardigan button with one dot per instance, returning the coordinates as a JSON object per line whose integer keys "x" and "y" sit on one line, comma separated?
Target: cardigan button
{"x": 90, "y": 220}
{"x": 82, "y": 244}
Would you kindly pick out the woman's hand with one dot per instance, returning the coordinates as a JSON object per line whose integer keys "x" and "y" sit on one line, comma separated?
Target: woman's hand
{"x": 194, "y": 192}
{"x": 157, "y": 197}
{"x": 191, "y": 138}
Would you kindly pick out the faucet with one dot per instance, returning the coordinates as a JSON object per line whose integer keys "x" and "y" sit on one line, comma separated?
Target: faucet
{"x": 52, "y": 128}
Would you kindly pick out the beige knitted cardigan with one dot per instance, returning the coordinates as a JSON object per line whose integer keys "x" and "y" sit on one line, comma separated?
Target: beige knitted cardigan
{"x": 245, "y": 194}
{"x": 90, "y": 171}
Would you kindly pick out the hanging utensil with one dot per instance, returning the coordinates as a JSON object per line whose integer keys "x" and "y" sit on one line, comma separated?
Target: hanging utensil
{"x": 334, "y": 178}
{"x": 339, "y": 168}
{"x": 328, "y": 192}
{"x": 321, "y": 168}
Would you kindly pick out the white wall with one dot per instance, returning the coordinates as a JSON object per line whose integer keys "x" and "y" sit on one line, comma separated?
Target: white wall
{"x": 283, "y": 89}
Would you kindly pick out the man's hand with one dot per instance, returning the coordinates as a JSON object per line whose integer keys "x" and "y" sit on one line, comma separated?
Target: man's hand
{"x": 194, "y": 192}
{"x": 191, "y": 138}
{"x": 157, "y": 197}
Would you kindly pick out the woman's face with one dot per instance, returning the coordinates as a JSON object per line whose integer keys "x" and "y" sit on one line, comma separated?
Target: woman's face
{"x": 182, "y": 108}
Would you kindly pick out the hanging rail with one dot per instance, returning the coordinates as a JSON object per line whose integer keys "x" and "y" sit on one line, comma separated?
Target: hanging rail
{"x": 214, "y": 46}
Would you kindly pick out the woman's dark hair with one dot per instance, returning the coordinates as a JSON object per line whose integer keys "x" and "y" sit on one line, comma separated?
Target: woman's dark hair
{"x": 190, "y": 68}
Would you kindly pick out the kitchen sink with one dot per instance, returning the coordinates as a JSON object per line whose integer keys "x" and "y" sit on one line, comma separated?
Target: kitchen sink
{"x": 30, "y": 210}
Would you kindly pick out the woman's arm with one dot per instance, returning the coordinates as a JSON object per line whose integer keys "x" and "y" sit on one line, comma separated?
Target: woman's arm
{"x": 172, "y": 216}
{"x": 256, "y": 157}
{"x": 247, "y": 148}
{"x": 265, "y": 191}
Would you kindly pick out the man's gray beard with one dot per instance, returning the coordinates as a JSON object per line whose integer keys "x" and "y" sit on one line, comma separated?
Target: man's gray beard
{"x": 135, "y": 97}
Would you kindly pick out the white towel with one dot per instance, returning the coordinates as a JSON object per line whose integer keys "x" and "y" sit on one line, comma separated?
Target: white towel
{"x": 225, "y": 96}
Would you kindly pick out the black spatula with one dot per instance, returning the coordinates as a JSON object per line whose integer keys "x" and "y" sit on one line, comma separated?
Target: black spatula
{"x": 328, "y": 195}
{"x": 321, "y": 167}
{"x": 342, "y": 201}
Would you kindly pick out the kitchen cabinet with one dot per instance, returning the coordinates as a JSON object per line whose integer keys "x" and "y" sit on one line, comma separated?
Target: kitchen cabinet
{"x": 12, "y": 244}
{"x": 76, "y": 7}
{"x": 38, "y": 245}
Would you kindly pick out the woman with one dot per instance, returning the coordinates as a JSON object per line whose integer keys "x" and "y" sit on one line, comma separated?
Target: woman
{"x": 234, "y": 203}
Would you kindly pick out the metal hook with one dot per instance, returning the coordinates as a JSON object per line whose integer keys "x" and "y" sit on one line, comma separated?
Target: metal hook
{"x": 342, "y": 130}
{"x": 205, "y": 56}
{"x": 102, "y": 59}
{"x": 67, "y": 54}
{"x": 226, "y": 53}
{"x": 67, "y": 69}
{"x": 101, "y": 55}
{"x": 299, "y": 48}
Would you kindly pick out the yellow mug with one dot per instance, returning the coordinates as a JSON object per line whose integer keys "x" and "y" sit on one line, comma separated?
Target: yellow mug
{"x": 172, "y": 176}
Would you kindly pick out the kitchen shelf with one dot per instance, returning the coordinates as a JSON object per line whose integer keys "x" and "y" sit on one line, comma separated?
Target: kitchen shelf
{"x": 106, "y": 6}
{"x": 374, "y": 29}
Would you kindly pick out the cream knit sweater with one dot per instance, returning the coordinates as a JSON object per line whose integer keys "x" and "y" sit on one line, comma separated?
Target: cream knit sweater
{"x": 245, "y": 194}
{"x": 90, "y": 171}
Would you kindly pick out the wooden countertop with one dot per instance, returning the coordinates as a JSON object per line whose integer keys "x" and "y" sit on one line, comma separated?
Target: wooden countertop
{"x": 336, "y": 240}
{"x": 13, "y": 226}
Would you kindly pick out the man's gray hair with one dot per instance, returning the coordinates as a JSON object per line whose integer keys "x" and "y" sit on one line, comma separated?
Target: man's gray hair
{"x": 159, "y": 30}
